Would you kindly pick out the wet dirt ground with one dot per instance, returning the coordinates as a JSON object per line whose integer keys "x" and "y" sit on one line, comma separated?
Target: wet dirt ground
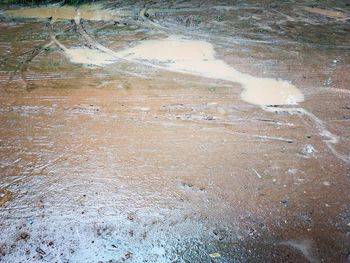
{"x": 130, "y": 161}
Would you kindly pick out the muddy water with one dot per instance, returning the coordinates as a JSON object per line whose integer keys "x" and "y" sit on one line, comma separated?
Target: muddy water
{"x": 87, "y": 12}
{"x": 175, "y": 54}
{"x": 89, "y": 56}
{"x": 198, "y": 57}
{"x": 152, "y": 155}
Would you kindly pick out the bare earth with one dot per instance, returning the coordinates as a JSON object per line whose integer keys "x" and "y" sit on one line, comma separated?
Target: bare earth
{"x": 112, "y": 151}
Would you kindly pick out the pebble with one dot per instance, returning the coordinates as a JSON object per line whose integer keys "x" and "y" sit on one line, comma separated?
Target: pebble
{"x": 326, "y": 183}
{"x": 215, "y": 255}
{"x": 308, "y": 150}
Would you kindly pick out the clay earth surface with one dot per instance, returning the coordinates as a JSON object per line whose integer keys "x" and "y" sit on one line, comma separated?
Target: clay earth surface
{"x": 129, "y": 157}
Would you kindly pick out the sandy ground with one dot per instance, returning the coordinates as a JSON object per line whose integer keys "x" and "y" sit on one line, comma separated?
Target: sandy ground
{"x": 132, "y": 162}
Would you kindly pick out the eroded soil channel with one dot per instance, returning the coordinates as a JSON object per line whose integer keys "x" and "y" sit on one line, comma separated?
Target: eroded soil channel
{"x": 175, "y": 132}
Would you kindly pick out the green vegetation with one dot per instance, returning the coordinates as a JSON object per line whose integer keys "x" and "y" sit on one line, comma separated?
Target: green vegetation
{"x": 219, "y": 18}
{"x": 197, "y": 20}
{"x": 39, "y": 2}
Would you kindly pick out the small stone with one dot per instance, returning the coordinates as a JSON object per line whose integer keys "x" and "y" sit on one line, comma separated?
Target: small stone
{"x": 292, "y": 171}
{"x": 215, "y": 255}
{"x": 40, "y": 251}
{"x": 309, "y": 150}
{"x": 284, "y": 203}
{"x": 326, "y": 183}
{"x": 189, "y": 185}
{"x": 131, "y": 217}
{"x": 128, "y": 255}
{"x": 24, "y": 236}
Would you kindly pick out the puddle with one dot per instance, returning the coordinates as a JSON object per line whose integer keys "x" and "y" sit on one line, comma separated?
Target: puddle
{"x": 89, "y": 56}
{"x": 198, "y": 58}
{"x": 174, "y": 54}
{"x": 5, "y": 196}
{"x": 87, "y": 12}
